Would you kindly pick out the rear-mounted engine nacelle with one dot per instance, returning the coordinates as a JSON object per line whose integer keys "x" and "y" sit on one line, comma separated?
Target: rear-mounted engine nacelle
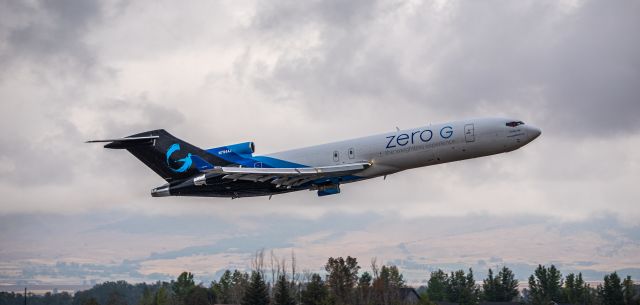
{"x": 246, "y": 148}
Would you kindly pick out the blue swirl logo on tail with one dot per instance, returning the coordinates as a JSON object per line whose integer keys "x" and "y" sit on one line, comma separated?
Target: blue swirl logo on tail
{"x": 186, "y": 161}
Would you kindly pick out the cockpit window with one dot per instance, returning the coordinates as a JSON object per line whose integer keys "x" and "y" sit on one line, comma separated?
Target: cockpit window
{"x": 515, "y": 123}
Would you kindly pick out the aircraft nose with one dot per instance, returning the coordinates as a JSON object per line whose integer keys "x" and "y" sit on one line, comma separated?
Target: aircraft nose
{"x": 533, "y": 132}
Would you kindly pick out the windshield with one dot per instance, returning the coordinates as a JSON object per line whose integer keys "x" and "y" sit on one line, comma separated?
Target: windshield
{"x": 515, "y": 123}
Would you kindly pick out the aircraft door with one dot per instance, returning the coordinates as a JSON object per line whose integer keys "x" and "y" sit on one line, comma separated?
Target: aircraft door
{"x": 469, "y": 135}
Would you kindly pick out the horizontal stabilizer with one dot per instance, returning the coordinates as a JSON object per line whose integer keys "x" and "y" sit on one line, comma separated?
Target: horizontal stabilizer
{"x": 171, "y": 158}
{"x": 126, "y": 142}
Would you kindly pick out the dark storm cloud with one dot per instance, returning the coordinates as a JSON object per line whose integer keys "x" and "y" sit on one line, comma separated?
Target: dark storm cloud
{"x": 50, "y": 33}
{"x": 567, "y": 67}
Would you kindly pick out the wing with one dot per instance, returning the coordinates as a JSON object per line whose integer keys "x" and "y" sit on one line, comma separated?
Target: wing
{"x": 288, "y": 177}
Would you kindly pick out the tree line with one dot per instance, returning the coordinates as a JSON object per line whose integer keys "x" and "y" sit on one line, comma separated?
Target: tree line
{"x": 545, "y": 286}
{"x": 343, "y": 284}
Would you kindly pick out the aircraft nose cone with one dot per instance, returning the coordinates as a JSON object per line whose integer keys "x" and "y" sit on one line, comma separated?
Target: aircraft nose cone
{"x": 534, "y": 132}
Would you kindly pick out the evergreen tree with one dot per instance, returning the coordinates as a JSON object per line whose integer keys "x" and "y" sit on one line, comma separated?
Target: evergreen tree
{"x": 316, "y": 292}
{"x": 581, "y": 291}
{"x": 545, "y": 285}
{"x": 282, "y": 294}
{"x": 507, "y": 285}
{"x": 569, "y": 290}
{"x": 199, "y": 296}
{"x": 437, "y": 286}
{"x": 490, "y": 287}
{"x": 256, "y": 292}
{"x": 364, "y": 288}
{"x": 612, "y": 290}
{"x": 461, "y": 288}
{"x": 239, "y": 283}
{"x": 222, "y": 289}
{"x": 591, "y": 296}
{"x": 575, "y": 290}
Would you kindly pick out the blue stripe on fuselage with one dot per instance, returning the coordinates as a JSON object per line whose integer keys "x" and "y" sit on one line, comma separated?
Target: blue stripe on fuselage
{"x": 269, "y": 162}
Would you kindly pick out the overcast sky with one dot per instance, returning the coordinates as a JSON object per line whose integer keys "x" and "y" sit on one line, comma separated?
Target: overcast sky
{"x": 287, "y": 74}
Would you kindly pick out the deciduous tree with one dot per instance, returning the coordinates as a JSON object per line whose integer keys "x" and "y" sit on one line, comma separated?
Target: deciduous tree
{"x": 629, "y": 291}
{"x": 183, "y": 286}
{"x": 386, "y": 286}
{"x": 341, "y": 278}
{"x": 161, "y": 297}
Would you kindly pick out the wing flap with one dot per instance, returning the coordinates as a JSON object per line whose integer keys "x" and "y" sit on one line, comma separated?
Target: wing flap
{"x": 288, "y": 176}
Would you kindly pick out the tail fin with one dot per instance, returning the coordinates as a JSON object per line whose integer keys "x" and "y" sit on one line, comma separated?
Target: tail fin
{"x": 168, "y": 156}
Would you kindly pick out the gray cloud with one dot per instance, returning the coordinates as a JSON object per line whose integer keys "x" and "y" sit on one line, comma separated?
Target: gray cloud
{"x": 288, "y": 74}
{"x": 50, "y": 33}
{"x": 269, "y": 71}
{"x": 559, "y": 64}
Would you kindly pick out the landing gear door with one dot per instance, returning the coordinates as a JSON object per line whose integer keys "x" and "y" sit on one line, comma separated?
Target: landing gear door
{"x": 469, "y": 135}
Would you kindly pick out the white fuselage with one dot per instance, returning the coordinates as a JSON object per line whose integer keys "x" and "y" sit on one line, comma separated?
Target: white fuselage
{"x": 429, "y": 145}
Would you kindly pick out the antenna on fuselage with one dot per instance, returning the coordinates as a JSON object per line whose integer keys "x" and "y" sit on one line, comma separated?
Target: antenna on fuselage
{"x": 397, "y": 129}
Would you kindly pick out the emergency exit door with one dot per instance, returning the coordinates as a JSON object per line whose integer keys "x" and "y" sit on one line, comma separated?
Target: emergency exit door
{"x": 469, "y": 135}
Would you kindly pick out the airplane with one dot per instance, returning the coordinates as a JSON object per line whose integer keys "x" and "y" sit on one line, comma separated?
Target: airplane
{"x": 233, "y": 170}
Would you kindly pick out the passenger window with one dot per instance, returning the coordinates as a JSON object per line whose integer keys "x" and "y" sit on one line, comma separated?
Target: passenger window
{"x": 352, "y": 153}
{"x": 336, "y": 156}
